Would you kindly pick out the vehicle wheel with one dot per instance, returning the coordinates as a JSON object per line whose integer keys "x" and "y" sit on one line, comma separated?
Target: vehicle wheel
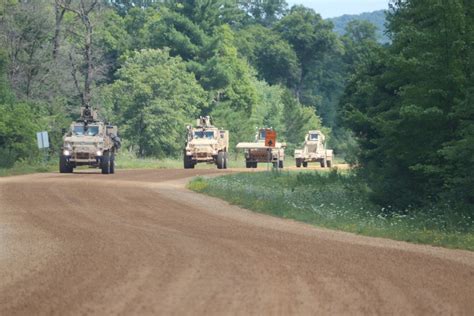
{"x": 112, "y": 164}
{"x": 248, "y": 164}
{"x": 105, "y": 163}
{"x": 323, "y": 164}
{"x": 255, "y": 165}
{"x": 226, "y": 160}
{"x": 298, "y": 163}
{"x": 274, "y": 165}
{"x": 305, "y": 164}
{"x": 280, "y": 164}
{"x": 220, "y": 160}
{"x": 329, "y": 163}
{"x": 188, "y": 162}
{"x": 64, "y": 166}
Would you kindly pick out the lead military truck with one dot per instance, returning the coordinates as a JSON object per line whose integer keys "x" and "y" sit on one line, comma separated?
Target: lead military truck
{"x": 89, "y": 142}
{"x": 206, "y": 143}
{"x": 314, "y": 150}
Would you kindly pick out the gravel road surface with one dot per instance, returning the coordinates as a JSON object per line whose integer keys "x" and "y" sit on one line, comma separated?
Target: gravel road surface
{"x": 138, "y": 243}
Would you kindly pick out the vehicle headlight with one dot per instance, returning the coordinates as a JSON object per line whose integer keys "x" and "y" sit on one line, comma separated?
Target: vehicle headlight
{"x": 68, "y": 146}
{"x": 66, "y": 152}
{"x": 98, "y": 153}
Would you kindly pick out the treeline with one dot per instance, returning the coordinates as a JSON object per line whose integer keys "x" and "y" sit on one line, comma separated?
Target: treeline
{"x": 153, "y": 66}
{"x": 411, "y": 107}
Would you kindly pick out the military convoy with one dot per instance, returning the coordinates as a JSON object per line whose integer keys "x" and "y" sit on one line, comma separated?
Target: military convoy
{"x": 259, "y": 152}
{"x": 89, "y": 142}
{"x": 314, "y": 150}
{"x": 206, "y": 143}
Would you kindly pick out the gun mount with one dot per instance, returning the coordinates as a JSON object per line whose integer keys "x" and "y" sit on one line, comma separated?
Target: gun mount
{"x": 204, "y": 122}
{"x": 88, "y": 115}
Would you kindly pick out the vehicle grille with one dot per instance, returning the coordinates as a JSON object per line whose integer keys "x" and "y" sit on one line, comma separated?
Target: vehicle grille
{"x": 82, "y": 156}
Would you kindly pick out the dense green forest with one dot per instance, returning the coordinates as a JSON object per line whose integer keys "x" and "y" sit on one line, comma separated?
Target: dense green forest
{"x": 402, "y": 113}
{"x": 153, "y": 66}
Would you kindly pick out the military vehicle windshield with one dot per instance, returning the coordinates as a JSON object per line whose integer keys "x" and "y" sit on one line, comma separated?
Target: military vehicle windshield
{"x": 204, "y": 134}
{"x": 91, "y": 130}
{"x": 262, "y": 134}
{"x": 313, "y": 136}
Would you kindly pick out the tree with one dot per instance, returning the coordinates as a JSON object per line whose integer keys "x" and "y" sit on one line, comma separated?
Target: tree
{"x": 312, "y": 39}
{"x": 228, "y": 77}
{"x": 83, "y": 11}
{"x": 273, "y": 58}
{"x": 405, "y": 105}
{"x": 297, "y": 120}
{"x": 265, "y": 12}
{"x": 25, "y": 30}
{"x": 124, "y": 7}
{"x": 152, "y": 100}
{"x": 207, "y": 14}
{"x": 177, "y": 32}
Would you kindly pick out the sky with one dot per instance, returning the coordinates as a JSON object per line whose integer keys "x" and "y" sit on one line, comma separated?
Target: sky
{"x": 333, "y": 8}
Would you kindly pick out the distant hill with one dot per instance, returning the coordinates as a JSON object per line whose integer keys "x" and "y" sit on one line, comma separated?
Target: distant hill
{"x": 377, "y": 18}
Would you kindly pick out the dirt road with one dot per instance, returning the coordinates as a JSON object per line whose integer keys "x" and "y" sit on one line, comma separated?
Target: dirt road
{"x": 138, "y": 243}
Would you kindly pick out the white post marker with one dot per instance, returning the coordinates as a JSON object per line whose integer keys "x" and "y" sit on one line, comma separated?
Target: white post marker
{"x": 43, "y": 140}
{"x": 43, "y": 144}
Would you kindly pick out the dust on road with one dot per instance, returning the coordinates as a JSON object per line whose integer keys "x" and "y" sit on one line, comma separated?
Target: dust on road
{"x": 138, "y": 242}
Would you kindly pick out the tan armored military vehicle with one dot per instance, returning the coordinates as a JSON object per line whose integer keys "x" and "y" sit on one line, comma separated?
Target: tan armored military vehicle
{"x": 206, "y": 144}
{"x": 314, "y": 150}
{"x": 258, "y": 152}
{"x": 89, "y": 142}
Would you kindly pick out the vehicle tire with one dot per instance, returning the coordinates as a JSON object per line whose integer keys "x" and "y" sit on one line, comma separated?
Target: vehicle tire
{"x": 274, "y": 165}
{"x": 254, "y": 164}
{"x": 226, "y": 160}
{"x": 64, "y": 166}
{"x": 298, "y": 163}
{"x": 112, "y": 164}
{"x": 280, "y": 164}
{"x": 188, "y": 162}
{"x": 323, "y": 163}
{"x": 248, "y": 164}
{"x": 220, "y": 160}
{"x": 105, "y": 163}
{"x": 329, "y": 163}
{"x": 305, "y": 164}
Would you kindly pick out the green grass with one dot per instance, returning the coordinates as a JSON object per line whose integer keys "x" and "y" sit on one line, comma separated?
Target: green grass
{"x": 23, "y": 167}
{"x": 338, "y": 201}
{"x": 124, "y": 160}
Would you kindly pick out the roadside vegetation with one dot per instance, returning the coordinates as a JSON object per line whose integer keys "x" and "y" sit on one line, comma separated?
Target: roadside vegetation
{"x": 124, "y": 160}
{"x": 339, "y": 200}
{"x": 26, "y": 167}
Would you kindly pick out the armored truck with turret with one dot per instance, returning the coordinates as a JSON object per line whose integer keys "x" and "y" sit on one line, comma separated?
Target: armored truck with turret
{"x": 257, "y": 152}
{"x": 89, "y": 142}
{"x": 314, "y": 150}
{"x": 206, "y": 143}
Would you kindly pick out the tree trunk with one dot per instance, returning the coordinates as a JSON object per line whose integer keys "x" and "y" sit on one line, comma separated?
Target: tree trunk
{"x": 88, "y": 60}
{"x": 59, "y": 14}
